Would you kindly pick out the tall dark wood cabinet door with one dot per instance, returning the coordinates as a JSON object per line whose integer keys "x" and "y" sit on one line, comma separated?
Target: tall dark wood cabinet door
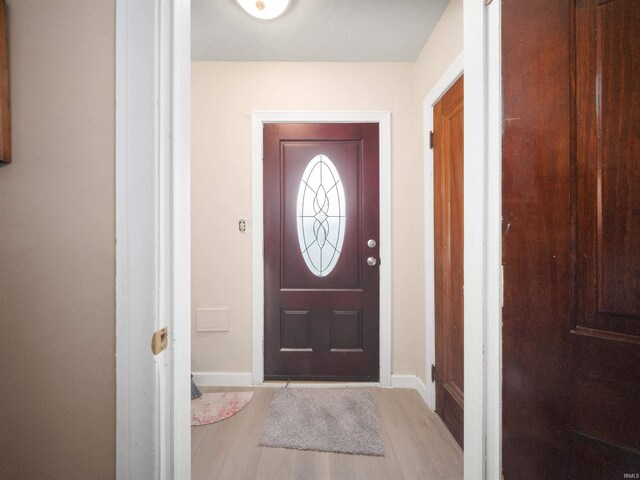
{"x": 448, "y": 161}
{"x": 571, "y": 239}
{"x": 321, "y": 246}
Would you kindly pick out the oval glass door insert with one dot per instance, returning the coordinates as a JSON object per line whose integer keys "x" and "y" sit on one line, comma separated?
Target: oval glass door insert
{"x": 321, "y": 215}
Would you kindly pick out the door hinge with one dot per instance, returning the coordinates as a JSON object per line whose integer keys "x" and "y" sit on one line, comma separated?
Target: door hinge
{"x": 431, "y": 140}
{"x": 263, "y": 345}
{"x": 433, "y": 373}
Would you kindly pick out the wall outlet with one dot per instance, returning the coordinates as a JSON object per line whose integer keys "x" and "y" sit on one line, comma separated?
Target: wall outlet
{"x": 212, "y": 319}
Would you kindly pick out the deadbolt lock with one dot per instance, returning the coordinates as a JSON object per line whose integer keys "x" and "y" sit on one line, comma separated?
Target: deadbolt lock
{"x": 159, "y": 341}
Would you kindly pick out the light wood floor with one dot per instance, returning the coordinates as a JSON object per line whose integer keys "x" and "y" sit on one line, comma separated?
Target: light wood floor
{"x": 416, "y": 442}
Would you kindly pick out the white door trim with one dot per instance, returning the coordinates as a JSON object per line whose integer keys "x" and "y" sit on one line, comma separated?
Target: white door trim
{"x": 180, "y": 240}
{"x": 153, "y": 435}
{"x": 258, "y": 119}
{"x": 137, "y": 390}
{"x": 483, "y": 240}
{"x": 448, "y": 78}
{"x": 493, "y": 262}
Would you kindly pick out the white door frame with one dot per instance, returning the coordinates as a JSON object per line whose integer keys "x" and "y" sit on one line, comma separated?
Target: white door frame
{"x": 482, "y": 240}
{"x": 153, "y": 65}
{"x": 448, "y": 78}
{"x": 140, "y": 30}
{"x": 258, "y": 119}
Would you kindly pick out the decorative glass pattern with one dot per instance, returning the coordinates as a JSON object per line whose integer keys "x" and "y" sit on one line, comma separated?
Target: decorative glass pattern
{"x": 321, "y": 215}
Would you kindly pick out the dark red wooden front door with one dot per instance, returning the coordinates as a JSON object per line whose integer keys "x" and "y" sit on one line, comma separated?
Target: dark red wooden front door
{"x": 321, "y": 244}
{"x": 571, "y": 239}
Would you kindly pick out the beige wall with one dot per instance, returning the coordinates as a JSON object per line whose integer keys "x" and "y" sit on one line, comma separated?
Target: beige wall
{"x": 440, "y": 50}
{"x": 57, "y": 252}
{"x": 223, "y": 96}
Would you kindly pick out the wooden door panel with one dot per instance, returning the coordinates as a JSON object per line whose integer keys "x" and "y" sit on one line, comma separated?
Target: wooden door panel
{"x": 608, "y": 170}
{"x": 346, "y": 331}
{"x": 606, "y": 364}
{"x": 347, "y": 159}
{"x": 321, "y": 324}
{"x": 449, "y": 257}
{"x": 595, "y": 460}
{"x": 571, "y": 249}
{"x": 455, "y": 127}
{"x": 295, "y": 330}
{"x": 536, "y": 240}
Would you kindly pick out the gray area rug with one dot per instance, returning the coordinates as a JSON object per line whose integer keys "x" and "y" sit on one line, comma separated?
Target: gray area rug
{"x": 327, "y": 420}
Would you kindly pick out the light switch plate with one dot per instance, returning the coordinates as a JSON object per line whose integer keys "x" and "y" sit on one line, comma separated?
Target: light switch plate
{"x": 212, "y": 319}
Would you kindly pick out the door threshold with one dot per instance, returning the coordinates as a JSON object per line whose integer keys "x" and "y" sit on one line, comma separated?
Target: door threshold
{"x": 317, "y": 384}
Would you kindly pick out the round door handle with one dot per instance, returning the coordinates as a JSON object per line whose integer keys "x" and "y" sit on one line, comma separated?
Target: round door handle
{"x": 371, "y": 243}
{"x": 371, "y": 261}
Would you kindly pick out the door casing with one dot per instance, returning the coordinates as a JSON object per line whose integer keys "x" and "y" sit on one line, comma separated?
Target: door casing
{"x": 153, "y": 265}
{"x": 258, "y": 119}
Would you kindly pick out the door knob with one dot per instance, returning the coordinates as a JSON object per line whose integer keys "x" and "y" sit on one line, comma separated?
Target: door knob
{"x": 371, "y": 261}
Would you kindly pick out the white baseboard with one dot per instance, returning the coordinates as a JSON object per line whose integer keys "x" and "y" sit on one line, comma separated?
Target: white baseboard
{"x": 404, "y": 381}
{"x": 222, "y": 379}
{"x": 411, "y": 381}
{"x": 227, "y": 379}
{"x": 422, "y": 391}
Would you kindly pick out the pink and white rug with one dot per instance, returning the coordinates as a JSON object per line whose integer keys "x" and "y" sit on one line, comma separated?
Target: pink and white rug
{"x": 215, "y": 407}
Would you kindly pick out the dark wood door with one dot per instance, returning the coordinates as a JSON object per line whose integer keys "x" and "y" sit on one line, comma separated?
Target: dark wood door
{"x": 321, "y": 231}
{"x": 571, "y": 239}
{"x": 448, "y": 147}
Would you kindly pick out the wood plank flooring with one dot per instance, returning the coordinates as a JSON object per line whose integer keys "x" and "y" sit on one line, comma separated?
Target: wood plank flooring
{"x": 417, "y": 446}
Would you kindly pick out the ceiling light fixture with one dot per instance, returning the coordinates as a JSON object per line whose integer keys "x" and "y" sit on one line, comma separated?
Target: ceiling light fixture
{"x": 264, "y": 9}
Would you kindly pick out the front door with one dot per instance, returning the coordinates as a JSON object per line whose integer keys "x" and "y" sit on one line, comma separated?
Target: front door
{"x": 448, "y": 129}
{"x": 321, "y": 244}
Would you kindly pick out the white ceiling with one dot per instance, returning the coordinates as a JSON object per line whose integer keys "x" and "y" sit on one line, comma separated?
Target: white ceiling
{"x": 314, "y": 30}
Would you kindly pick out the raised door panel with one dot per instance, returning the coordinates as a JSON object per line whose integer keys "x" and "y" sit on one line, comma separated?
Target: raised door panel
{"x": 606, "y": 387}
{"x": 607, "y": 58}
{"x": 336, "y": 255}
